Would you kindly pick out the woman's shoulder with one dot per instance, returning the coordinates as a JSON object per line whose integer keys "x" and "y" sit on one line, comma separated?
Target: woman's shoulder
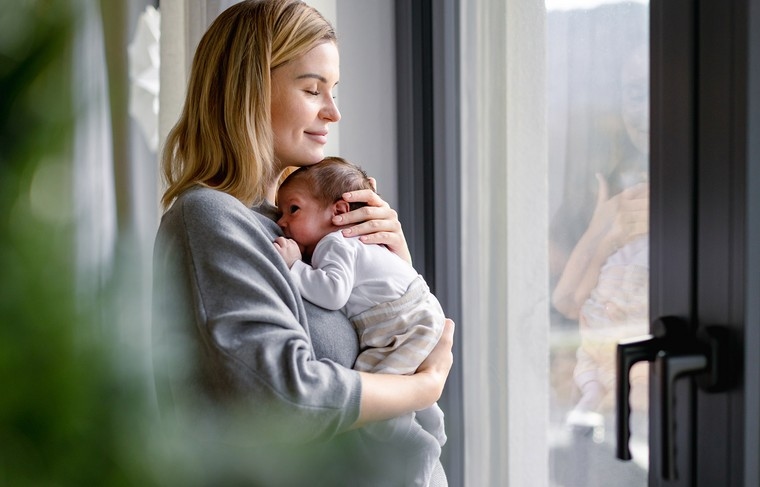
{"x": 202, "y": 202}
{"x": 210, "y": 209}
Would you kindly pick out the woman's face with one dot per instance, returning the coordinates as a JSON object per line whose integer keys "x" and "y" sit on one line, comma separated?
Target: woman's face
{"x": 635, "y": 100}
{"x": 304, "y": 219}
{"x": 303, "y": 105}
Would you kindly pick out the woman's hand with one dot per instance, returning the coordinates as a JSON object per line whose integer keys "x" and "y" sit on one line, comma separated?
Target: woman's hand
{"x": 616, "y": 221}
{"x": 438, "y": 363}
{"x": 386, "y": 396}
{"x": 632, "y": 219}
{"x": 622, "y": 218}
{"x": 376, "y": 223}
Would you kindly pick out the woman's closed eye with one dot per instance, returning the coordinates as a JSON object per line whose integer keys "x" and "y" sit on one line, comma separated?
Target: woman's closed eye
{"x": 317, "y": 93}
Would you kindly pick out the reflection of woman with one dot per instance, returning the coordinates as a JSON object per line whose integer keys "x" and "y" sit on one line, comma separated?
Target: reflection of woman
{"x": 604, "y": 283}
{"x": 260, "y": 99}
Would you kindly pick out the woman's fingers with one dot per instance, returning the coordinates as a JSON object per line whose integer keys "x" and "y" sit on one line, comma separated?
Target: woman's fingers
{"x": 365, "y": 196}
{"x": 376, "y": 223}
{"x": 379, "y": 225}
{"x": 441, "y": 357}
{"x": 385, "y": 217}
{"x": 377, "y": 213}
{"x": 638, "y": 190}
{"x": 448, "y": 334}
{"x": 631, "y": 214}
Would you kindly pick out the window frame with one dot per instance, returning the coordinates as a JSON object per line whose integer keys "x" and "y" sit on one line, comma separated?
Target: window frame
{"x": 428, "y": 87}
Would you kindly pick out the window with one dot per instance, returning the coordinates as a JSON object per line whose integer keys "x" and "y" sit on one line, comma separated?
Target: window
{"x": 546, "y": 96}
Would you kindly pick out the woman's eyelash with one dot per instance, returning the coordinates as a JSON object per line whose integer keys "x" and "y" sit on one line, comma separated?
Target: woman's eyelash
{"x": 317, "y": 93}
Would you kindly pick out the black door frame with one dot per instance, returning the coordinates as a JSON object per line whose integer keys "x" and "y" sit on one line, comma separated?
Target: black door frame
{"x": 752, "y": 330}
{"x": 705, "y": 126}
{"x": 427, "y": 54}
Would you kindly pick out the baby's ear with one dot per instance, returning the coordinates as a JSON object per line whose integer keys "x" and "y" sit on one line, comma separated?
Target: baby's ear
{"x": 340, "y": 207}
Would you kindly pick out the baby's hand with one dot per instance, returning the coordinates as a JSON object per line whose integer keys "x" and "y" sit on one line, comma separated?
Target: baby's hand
{"x": 288, "y": 249}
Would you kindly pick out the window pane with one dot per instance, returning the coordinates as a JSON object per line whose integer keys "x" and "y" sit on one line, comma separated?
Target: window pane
{"x": 598, "y": 143}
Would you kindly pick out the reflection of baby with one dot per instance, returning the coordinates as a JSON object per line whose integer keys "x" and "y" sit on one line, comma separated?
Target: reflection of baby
{"x": 398, "y": 320}
{"x": 616, "y": 309}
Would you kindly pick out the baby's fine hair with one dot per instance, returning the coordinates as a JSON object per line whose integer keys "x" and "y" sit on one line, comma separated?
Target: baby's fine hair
{"x": 328, "y": 179}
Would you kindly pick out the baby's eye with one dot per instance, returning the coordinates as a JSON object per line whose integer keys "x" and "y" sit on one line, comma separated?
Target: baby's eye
{"x": 293, "y": 209}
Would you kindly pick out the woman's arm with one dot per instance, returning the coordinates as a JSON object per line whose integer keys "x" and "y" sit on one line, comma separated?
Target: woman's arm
{"x": 581, "y": 272}
{"x": 238, "y": 323}
{"x": 376, "y": 223}
{"x": 386, "y": 396}
{"x": 615, "y": 222}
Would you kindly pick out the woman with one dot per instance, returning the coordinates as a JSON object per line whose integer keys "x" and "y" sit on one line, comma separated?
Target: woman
{"x": 263, "y": 368}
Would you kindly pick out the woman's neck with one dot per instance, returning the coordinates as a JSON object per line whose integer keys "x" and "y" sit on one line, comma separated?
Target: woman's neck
{"x": 271, "y": 193}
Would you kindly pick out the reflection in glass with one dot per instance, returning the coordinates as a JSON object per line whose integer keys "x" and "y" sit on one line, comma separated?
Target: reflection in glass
{"x": 598, "y": 126}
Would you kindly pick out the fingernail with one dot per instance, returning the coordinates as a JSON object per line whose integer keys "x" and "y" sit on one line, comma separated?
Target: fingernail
{"x": 347, "y": 232}
{"x": 338, "y": 219}
{"x": 347, "y": 196}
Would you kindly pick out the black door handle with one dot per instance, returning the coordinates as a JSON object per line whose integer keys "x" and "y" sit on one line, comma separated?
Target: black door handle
{"x": 671, "y": 366}
{"x": 676, "y": 350}
{"x": 630, "y": 352}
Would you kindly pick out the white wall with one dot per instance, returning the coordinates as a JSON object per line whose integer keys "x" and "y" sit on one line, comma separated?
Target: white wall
{"x": 367, "y": 90}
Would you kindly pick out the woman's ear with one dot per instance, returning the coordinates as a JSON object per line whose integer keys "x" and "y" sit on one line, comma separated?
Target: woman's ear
{"x": 340, "y": 207}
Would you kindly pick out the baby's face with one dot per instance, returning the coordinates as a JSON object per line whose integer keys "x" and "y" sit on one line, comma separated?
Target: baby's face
{"x": 304, "y": 219}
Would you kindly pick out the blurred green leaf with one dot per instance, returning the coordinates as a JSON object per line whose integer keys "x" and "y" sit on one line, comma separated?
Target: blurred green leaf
{"x": 68, "y": 415}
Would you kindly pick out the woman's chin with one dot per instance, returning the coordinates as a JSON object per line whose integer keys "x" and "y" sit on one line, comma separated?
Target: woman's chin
{"x": 310, "y": 160}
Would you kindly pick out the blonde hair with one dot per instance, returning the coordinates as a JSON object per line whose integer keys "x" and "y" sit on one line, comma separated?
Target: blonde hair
{"x": 223, "y": 139}
{"x": 328, "y": 179}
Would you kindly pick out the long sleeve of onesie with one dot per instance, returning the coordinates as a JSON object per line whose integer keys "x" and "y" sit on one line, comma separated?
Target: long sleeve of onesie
{"x": 329, "y": 281}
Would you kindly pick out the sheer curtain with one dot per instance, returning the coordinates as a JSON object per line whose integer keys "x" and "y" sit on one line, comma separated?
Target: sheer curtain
{"x": 504, "y": 193}
{"x": 94, "y": 196}
{"x": 115, "y": 183}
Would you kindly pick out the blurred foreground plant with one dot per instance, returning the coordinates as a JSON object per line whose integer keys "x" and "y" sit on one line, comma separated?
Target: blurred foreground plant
{"x": 69, "y": 415}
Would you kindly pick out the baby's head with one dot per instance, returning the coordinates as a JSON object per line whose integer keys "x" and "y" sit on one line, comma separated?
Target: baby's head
{"x": 312, "y": 195}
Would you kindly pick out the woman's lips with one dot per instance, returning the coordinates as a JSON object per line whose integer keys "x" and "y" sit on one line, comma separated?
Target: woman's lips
{"x": 319, "y": 137}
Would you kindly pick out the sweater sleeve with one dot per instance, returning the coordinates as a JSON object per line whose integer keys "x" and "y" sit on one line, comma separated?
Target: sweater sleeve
{"x": 247, "y": 327}
{"x": 330, "y": 278}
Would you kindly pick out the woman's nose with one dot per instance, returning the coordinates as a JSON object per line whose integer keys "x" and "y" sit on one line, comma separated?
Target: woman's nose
{"x": 330, "y": 111}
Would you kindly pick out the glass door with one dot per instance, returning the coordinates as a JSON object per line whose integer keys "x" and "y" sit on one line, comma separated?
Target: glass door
{"x": 669, "y": 322}
{"x": 610, "y": 217}
{"x": 597, "y": 88}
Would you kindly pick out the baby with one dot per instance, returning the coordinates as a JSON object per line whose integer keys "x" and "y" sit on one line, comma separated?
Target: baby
{"x": 397, "y": 318}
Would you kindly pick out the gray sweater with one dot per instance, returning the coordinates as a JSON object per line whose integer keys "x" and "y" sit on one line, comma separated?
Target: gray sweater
{"x": 244, "y": 367}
